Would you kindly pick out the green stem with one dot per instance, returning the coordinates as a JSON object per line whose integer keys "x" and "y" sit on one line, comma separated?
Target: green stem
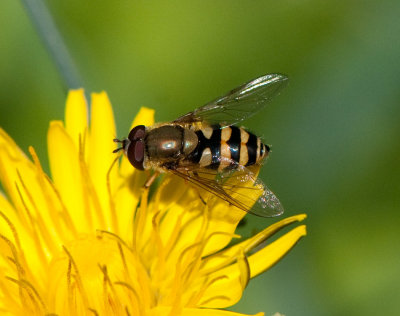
{"x": 53, "y": 42}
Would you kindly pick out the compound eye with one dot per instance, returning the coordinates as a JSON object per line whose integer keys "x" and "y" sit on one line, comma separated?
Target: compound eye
{"x": 135, "y": 154}
{"x": 137, "y": 133}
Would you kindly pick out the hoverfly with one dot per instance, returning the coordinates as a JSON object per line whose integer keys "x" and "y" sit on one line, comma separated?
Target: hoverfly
{"x": 205, "y": 147}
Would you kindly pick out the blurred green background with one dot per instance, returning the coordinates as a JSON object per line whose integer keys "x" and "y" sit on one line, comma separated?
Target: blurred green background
{"x": 334, "y": 130}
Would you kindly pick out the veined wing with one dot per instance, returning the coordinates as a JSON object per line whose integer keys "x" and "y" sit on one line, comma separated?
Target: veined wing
{"x": 240, "y": 103}
{"x": 239, "y": 187}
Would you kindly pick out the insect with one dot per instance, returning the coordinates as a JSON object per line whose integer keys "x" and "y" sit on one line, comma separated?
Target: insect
{"x": 205, "y": 147}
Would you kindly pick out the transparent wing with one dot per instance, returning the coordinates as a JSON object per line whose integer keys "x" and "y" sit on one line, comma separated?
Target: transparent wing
{"x": 239, "y": 187}
{"x": 240, "y": 103}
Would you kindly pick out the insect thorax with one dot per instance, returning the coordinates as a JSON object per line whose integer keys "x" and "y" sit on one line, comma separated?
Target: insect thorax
{"x": 169, "y": 144}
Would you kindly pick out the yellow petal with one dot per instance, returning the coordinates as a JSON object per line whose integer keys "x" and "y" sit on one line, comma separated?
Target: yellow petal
{"x": 186, "y": 206}
{"x": 144, "y": 117}
{"x": 101, "y": 146}
{"x": 244, "y": 268}
{"x": 19, "y": 178}
{"x": 6, "y": 209}
{"x": 228, "y": 255}
{"x": 66, "y": 174}
{"x": 183, "y": 209}
{"x": 229, "y": 278}
{"x": 226, "y": 226}
{"x": 268, "y": 256}
{"x": 102, "y": 133}
{"x": 76, "y": 116}
{"x": 226, "y": 290}
{"x": 12, "y": 162}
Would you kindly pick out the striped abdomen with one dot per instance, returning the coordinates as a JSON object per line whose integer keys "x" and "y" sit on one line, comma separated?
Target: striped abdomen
{"x": 219, "y": 148}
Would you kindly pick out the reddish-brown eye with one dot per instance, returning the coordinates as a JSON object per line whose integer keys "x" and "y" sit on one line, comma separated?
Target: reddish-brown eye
{"x": 137, "y": 133}
{"x": 136, "y": 154}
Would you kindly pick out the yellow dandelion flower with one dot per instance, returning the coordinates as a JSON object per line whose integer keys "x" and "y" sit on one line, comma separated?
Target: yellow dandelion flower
{"x": 91, "y": 240}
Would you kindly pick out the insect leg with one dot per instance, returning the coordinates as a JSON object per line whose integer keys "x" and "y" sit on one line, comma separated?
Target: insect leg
{"x": 198, "y": 193}
{"x": 150, "y": 180}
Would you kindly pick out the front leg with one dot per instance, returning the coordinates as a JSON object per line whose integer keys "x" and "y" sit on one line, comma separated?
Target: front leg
{"x": 150, "y": 180}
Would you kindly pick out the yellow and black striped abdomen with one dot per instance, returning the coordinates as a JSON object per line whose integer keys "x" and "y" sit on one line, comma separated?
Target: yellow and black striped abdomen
{"x": 230, "y": 146}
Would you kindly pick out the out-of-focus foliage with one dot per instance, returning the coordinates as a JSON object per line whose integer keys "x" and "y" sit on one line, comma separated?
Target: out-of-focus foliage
{"x": 334, "y": 130}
